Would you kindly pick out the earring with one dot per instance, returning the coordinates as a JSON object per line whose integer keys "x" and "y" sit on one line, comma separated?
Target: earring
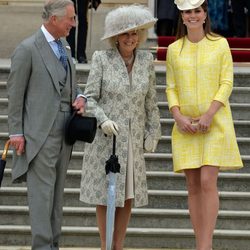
{"x": 116, "y": 43}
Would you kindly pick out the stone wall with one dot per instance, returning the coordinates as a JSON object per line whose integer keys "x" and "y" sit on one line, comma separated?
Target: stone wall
{"x": 40, "y": 2}
{"x": 21, "y": 18}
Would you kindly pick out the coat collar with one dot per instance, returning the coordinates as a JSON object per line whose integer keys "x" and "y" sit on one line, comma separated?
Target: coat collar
{"x": 117, "y": 56}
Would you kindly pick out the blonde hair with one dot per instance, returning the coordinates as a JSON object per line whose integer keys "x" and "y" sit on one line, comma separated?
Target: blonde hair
{"x": 142, "y": 34}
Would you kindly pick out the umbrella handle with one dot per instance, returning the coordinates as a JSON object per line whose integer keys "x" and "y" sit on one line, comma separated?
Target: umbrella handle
{"x": 114, "y": 142}
{"x": 5, "y": 151}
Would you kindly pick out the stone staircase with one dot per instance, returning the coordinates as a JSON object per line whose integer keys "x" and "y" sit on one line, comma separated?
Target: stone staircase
{"x": 164, "y": 223}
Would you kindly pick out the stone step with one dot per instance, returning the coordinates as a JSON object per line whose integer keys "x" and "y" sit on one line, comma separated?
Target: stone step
{"x": 241, "y": 74}
{"x": 241, "y": 126}
{"x": 164, "y": 145}
{"x": 159, "y": 180}
{"x": 154, "y": 161}
{"x": 4, "y": 123}
{"x": 135, "y": 237}
{"x": 240, "y": 111}
{"x": 239, "y": 94}
{"x": 170, "y": 199}
{"x": 141, "y": 217}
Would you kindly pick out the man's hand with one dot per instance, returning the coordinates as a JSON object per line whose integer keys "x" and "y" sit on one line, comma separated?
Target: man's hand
{"x": 79, "y": 104}
{"x": 18, "y": 143}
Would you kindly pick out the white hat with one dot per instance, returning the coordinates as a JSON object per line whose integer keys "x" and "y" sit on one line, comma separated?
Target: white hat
{"x": 127, "y": 18}
{"x": 188, "y": 4}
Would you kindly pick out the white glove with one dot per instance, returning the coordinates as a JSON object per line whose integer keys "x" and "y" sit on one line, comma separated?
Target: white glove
{"x": 150, "y": 144}
{"x": 109, "y": 128}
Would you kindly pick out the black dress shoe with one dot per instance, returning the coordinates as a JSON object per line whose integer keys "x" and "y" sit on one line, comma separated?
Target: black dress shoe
{"x": 82, "y": 60}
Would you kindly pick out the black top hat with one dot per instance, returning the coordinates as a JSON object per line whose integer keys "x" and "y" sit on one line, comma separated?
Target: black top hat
{"x": 82, "y": 128}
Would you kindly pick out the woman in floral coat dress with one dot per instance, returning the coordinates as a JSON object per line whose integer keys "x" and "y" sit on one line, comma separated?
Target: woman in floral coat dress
{"x": 121, "y": 94}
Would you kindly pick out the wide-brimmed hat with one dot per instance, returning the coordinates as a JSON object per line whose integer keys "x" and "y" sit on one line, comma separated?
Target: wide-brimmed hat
{"x": 82, "y": 128}
{"x": 127, "y": 18}
{"x": 188, "y": 4}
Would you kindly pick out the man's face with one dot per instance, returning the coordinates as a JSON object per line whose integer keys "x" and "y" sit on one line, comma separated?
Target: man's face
{"x": 63, "y": 24}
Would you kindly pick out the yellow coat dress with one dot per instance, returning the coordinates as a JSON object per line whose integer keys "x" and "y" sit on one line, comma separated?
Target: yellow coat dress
{"x": 197, "y": 74}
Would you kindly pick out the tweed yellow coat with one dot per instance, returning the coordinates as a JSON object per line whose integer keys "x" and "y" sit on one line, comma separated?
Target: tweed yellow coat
{"x": 197, "y": 74}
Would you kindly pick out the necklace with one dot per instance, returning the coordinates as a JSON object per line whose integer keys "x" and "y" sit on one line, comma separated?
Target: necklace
{"x": 129, "y": 61}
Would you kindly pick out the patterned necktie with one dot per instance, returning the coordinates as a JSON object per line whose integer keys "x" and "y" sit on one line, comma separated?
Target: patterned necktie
{"x": 63, "y": 56}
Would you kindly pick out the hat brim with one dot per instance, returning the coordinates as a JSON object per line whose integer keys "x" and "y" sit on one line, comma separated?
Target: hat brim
{"x": 137, "y": 27}
{"x": 188, "y": 6}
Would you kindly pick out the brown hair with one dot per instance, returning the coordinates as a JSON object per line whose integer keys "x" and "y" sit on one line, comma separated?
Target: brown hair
{"x": 182, "y": 29}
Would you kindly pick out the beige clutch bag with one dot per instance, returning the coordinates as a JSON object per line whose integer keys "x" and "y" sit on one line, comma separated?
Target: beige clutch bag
{"x": 195, "y": 124}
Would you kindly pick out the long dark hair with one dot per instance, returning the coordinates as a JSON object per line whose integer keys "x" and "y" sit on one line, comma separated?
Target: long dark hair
{"x": 182, "y": 29}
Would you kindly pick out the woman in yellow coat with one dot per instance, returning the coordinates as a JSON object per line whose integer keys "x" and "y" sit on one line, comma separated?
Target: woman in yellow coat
{"x": 199, "y": 83}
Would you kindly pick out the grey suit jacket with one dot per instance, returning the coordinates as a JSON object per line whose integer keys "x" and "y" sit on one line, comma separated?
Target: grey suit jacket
{"x": 34, "y": 96}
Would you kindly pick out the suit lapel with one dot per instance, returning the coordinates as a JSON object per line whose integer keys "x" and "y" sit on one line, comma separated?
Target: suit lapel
{"x": 48, "y": 58}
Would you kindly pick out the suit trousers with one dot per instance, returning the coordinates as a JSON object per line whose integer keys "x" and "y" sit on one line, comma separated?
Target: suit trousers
{"x": 78, "y": 47}
{"x": 239, "y": 16}
{"x": 45, "y": 183}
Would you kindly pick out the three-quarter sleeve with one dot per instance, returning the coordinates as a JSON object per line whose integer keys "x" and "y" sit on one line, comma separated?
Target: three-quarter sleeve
{"x": 171, "y": 90}
{"x": 226, "y": 75}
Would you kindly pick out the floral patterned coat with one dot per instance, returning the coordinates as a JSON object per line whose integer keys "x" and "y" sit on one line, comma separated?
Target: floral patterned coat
{"x": 134, "y": 108}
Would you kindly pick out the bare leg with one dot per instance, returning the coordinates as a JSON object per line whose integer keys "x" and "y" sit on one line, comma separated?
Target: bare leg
{"x": 194, "y": 200}
{"x": 210, "y": 205}
{"x": 203, "y": 204}
{"x": 122, "y": 217}
{"x": 101, "y": 222}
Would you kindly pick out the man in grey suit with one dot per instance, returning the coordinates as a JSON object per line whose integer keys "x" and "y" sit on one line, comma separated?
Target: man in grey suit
{"x": 42, "y": 91}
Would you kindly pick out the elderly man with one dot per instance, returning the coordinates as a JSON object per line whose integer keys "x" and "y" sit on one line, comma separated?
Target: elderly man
{"x": 42, "y": 92}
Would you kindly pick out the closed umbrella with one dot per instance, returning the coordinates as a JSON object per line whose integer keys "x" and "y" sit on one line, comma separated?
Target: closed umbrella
{"x": 3, "y": 160}
{"x": 112, "y": 167}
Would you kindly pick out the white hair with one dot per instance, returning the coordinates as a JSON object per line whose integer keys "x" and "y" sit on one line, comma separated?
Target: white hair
{"x": 55, "y": 8}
